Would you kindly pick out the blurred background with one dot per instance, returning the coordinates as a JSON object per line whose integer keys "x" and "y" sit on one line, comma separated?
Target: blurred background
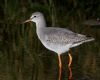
{"x": 23, "y": 57}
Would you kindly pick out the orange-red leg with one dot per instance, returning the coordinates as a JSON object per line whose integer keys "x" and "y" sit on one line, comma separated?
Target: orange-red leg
{"x": 69, "y": 66}
{"x": 70, "y": 59}
{"x": 60, "y": 66}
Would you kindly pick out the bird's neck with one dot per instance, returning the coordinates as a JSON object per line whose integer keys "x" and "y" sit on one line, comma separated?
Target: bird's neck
{"x": 40, "y": 25}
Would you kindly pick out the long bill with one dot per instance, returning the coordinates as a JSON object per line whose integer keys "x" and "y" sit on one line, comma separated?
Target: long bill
{"x": 27, "y": 21}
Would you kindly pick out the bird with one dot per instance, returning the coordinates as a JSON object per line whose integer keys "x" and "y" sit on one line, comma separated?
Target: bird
{"x": 56, "y": 39}
{"x": 92, "y": 22}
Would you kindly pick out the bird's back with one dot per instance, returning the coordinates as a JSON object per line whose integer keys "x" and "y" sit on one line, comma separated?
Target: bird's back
{"x": 61, "y": 39}
{"x": 62, "y": 36}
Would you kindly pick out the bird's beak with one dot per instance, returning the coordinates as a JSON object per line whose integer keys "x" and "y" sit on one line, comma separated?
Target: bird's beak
{"x": 27, "y": 21}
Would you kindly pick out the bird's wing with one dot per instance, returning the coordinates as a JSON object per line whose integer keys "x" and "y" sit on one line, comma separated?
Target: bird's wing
{"x": 62, "y": 36}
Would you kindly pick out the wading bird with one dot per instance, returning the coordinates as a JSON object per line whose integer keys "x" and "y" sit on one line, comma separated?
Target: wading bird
{"x": 59, "y": 40}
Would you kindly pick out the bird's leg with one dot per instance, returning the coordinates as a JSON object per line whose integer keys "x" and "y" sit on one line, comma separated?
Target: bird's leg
{"x": 70, "y": 59}
{"x": 60, "y": 66}
{"x": 69, "y": 66}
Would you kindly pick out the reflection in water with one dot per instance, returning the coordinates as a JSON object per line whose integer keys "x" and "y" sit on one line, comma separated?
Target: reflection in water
{"x": 70, "y": 73}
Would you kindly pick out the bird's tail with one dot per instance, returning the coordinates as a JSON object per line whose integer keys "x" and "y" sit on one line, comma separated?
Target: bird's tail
{"x": 86, "y": 39}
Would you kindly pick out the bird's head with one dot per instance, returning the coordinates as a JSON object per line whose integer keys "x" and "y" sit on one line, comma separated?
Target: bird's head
{"x": 35, "y": 17}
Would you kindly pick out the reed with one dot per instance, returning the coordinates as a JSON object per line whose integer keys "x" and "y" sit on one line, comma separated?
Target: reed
{"x": 23, "y": 57}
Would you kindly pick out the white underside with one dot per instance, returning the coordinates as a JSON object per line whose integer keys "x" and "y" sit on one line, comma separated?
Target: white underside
{"x": 58, "y": 48}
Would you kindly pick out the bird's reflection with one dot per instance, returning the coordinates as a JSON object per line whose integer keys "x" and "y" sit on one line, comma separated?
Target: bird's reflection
{"x": 70, "y": 73}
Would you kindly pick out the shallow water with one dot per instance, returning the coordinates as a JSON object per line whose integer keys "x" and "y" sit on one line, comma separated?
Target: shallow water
{"x": 44, "y": 65}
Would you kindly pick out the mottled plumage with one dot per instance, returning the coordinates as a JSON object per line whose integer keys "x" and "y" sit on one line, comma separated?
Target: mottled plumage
{"x": 59, "y": 40}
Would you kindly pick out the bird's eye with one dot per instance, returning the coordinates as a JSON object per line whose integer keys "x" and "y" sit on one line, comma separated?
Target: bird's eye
{"x": 34, "y": 16}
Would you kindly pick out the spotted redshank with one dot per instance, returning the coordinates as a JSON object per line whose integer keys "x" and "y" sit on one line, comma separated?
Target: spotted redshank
{"x": 59, "y": 40}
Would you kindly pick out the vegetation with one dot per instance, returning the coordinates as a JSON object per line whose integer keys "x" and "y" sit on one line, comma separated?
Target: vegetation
{"x": 23, "y": 57}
